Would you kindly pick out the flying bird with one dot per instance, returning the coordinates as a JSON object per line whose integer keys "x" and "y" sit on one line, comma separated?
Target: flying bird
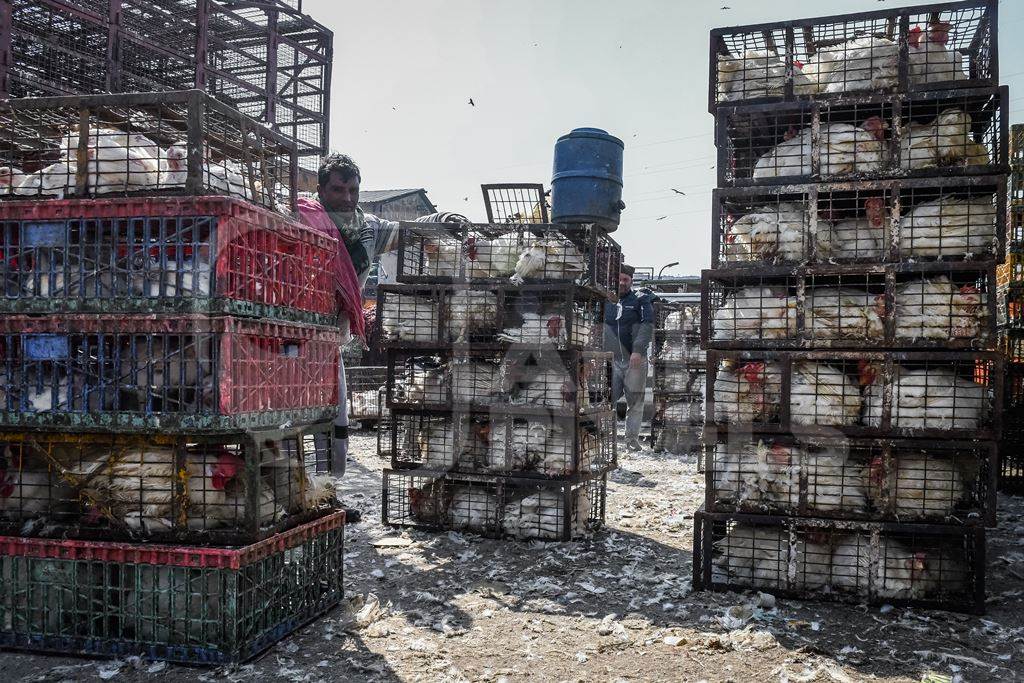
{"x": 471, "y": 103}
{"x": 726, "y": 7}
{"x": 677, "y": 191}
{"x": 663, "y": 218}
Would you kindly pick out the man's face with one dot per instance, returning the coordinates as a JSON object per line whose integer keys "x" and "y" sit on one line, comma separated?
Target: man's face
{"x": 625, "y": 284}
{"x": 339, "y": 195}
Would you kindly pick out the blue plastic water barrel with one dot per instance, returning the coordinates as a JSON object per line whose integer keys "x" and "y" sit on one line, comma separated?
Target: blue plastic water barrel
{"x": 586, "y": 185}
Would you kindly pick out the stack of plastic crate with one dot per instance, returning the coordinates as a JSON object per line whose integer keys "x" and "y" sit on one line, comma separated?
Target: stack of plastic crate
{"x": 168, "y": 382}
{"x": 501, "y": 421}
{"x": 1010, "y": 278}
{"x": 850, "y": 315}
{"x": 679, "y": 377}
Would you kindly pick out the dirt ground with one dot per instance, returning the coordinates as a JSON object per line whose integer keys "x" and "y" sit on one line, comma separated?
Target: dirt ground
{"x": 617, "y": 608}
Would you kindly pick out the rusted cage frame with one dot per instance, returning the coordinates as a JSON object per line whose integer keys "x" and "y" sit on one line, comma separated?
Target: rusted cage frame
{"x": 889, "y": 360}
{"x": 390, "y": 442}
{"x": 891, "y": 187}
{"x": 897, "y": 20}
{"x": 997, "y": 104}
{"x": 984, "y": 511}
{"x": 494, "y": 196}
{"x": 590, "y": 240}
{"x": 283, "y": 28}
{"x": 569, "y": 300}
{"x": 570, "y": 360}
{"x": 365, "y": 378}
{"x": 887, "y": 272}
{"x": 503, "y": 485}
{"x": 972, "y": 602}
{"x": 317, "y": 438}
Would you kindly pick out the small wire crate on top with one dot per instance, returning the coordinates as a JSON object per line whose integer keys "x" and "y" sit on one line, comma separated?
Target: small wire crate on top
{"x": 185, "y": 604}
{"x": 871, "y": 394}
{"x": 954, "y": 218}
{"x": 908, "y": 49}
{"x": 483, "y": 442}
{"x": 142, "y": 143}
{"x": 559, "y": 510}
{"x": 918, "y": 565}
{"x": 223, "y": 490}
{"x": 531, "y": 253}
{"x": 515, "y": 203}
{"x": 538, "y": 316}
{"x": 185, "y": 374}
{"x": 853, "y": 479}
{"x": 962, "y": 132}
{"x": 916, "y": 305}
{"x": 163, "y": 255}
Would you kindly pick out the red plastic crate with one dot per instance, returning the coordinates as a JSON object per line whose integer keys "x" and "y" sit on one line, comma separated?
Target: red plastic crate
{"x": 183, "y": 373}
{"x": 156, "y": 255}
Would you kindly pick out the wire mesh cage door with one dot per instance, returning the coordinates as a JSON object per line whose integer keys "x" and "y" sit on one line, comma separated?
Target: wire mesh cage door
{"x": 515, "y": 203}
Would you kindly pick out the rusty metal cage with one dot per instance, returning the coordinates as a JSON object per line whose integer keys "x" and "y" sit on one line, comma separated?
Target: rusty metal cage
{"x": 150, "y": 143}
{"x": 222, "y": 490}
{"x": 558, "y": 510}
{"x": 936, "y": 46}
{"x": 531, "y": 253}
{"x": 924, "y": 394}
{"x": 920, "y": 565}
{"x": 677, "y": 424}
{"x": 851, "y": 479}
{"x": 875, "y": 221}
{"x": 528, "y": 316}
{"x": 515, "y": 203}
{"x": 497, "y": 443}
{"x": 917, "y": 305}
{"x": 963, "y": 131}
{"x": 268, "y": 61}
{"x": 364, "y": 384}
{"x": 517, "y": 380}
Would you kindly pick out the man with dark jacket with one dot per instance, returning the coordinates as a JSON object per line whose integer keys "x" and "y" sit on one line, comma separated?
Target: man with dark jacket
{"x": 628, "y": 329}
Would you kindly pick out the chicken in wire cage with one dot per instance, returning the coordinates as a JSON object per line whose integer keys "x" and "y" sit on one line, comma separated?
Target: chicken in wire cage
{"x": 927, "y": 396}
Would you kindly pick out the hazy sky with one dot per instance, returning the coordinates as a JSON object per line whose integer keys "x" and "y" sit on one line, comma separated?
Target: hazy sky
{"x": 404, "y": 71}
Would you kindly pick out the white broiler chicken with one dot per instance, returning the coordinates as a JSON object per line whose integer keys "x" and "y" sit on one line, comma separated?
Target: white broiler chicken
{"x": 536, "y": 329}
{"x": 548, "y": 386}
{"x": 929, "y": 398}
{"x": 56, "y": 180}
{"x": 435, "y": 445}
{"x": 407, "y": 317}
{"x": 30, "y": 489}
{"x": 862, "y": 238}
{"x": 549, "y": 258}
{"x": 557, "y": 456}
{"x": 492, "y": 258}
{"x": 916, "y": 486}
{"x": 10, "y": 178}
{"x": 861, "y": 63}
{"x": 757, "y": 477}
{"x": 949, "y": 226}
{"x": 777, "y": 233}
{"x": 753, "y": 556}
{"x": 425, "y": 382}
{"x": 675, "y": 379}
{"x": 473, "y": 508}
{"x": 843, "y": 149}
{"x": 471, "y": 312}
{"x": 516, "y": 446}
{"x": 180, "y": 273}
{"x": 935, "y": 308}
{"x": 235, "y": 511}
{"x": 542, "y": 515}
{"x": 292, "y": 487}
{"x": 930, "y": 60}
{"x": 747, "y": 393}
{"x": 757, "y": 73}
{"x": 823, "y": 395}
{"x": 842, "y": 313}
{"x": 226, "y": 178}
{"x": 441, "y": 257}
{"x": 755, "y": 313}
{"x": 900, "y": 572}
{"x": 681, "y": 321}
{"x": 835, "y": 483}
{"x": 173, "y": 166}
{"x": 473, "y": 381}
{"x": 943, "y": 142}
{"x": 114, "y": 164}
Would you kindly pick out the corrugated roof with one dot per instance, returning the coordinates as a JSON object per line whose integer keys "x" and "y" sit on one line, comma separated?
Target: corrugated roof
{"x": 386, "y": 195}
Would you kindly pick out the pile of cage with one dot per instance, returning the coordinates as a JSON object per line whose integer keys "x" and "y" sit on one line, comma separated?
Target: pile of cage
{"x": 854, "y": 397}
{"x": 1010, "y": 282}
{"x": 168, "y": 379}
{"x": 498, "y": 395}
{"x": 679, "y": 377}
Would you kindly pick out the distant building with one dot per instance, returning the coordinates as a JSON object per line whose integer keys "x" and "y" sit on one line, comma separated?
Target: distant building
{"x": 393, "y": 205}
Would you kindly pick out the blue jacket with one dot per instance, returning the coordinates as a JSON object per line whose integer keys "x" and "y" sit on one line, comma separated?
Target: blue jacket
{"x": 629, "y": 325}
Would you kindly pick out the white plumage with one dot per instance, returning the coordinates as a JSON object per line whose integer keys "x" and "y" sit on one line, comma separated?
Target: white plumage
{"x": 757, "y": 73}
{"x": 549, "y": 258}
{"x": 536, "y": 328}
{"x": 779, "y": 232}
{"x": 836, "y": 313}
{"x": 935, "y": 308}
{"x": 471, "y": 311}
{"x": 114, "y": 165}
{"x": 56, "y": 180}
{"x": 928, "y": 398}
{"x": 944, "y": 141}
{"x": 473, "y": 509}
{"x": 930, "y": 60}
{"x": 492, "y": 258}
{"x": 472, "y": 381}
{"x": 862, "y": 238}
{"x": 834, "y": 482}
{"x": 755, "y": 556}
{"x": 542, "y": 515}
{"x": 916, "y": 486}
{"x": 186, "y": 277}
{"x": 756, "y": 476}
{"x": 30, "y": 490}
{"x": 435, "y": 444}
{"x": 754, "y": 313}
{"x": 517, "y": 445}
{"x": 747, "y": 393}
{"x": 10, "y": 178}
{"x": 425, "y": 383}
{"x": 949, "y": 226}
{"x": 865, "y": 62}
{"x": 547, "y": 386}
{"x": 843, "y": 149}
{"x": 901, "y": 572}
{"x": 407, "y": 317}
{"x": 823, "y": 395}
{"x": 675, "y": 379}
{"x": 45, "y": 390}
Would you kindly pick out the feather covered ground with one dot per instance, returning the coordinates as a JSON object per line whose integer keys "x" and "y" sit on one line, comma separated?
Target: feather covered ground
{"x": 451, "y": 607}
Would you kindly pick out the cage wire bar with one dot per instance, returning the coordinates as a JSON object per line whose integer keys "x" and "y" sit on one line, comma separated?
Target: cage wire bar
{"x": 515, "y": 203}
{"x": 267, "y": 60}
{"x": 679, "y": 377}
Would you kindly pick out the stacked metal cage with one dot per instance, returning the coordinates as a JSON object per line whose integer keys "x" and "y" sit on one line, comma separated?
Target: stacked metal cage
{"x": 500, "y": 420}
{"x": 854, "y": 396}
{"x": 169, "y": 352}
{"x": 1010, "y": 282}
{"x": 679, "y": 378}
